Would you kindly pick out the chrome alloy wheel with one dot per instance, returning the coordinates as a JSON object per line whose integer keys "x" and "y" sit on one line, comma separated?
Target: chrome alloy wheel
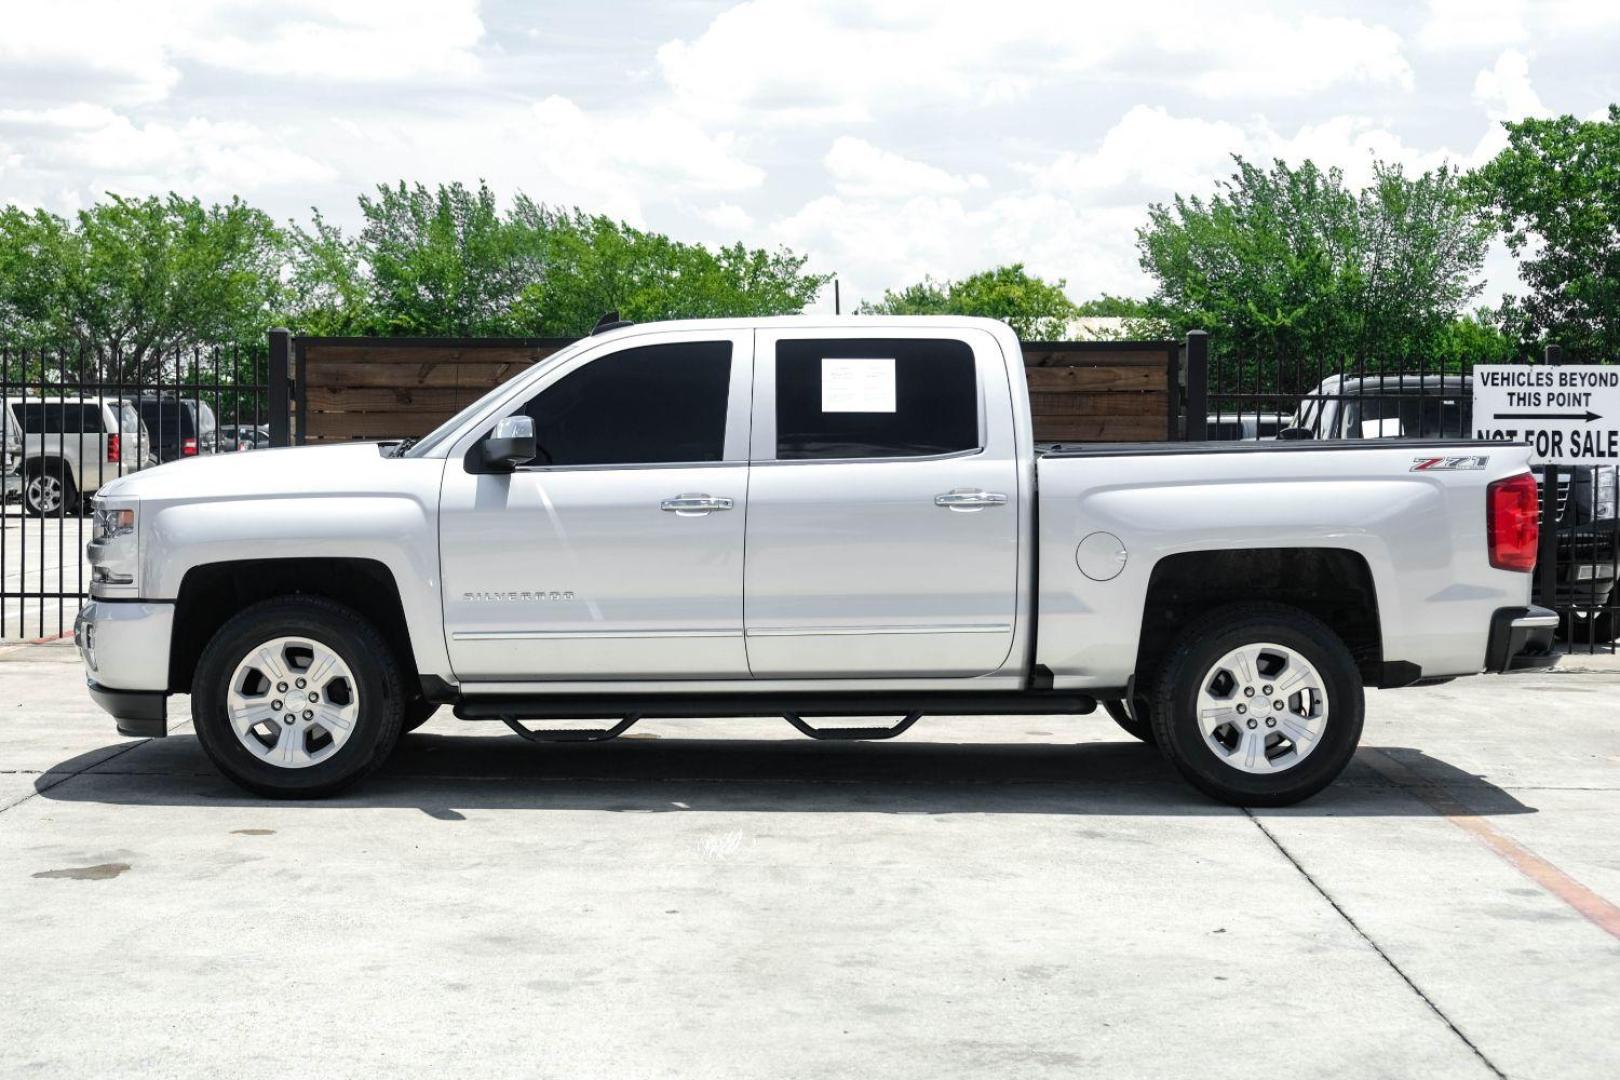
{"x": 293, "y": 702}
{"x": 44, "y": 493}
{"x": 1262, "y": 708}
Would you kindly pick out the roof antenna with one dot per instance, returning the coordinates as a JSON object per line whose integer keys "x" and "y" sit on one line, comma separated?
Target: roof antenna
{"x": 609, "y": 321}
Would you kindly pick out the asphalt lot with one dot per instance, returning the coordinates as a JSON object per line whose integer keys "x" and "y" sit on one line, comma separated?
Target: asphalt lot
{"x": 1021, "y": 896}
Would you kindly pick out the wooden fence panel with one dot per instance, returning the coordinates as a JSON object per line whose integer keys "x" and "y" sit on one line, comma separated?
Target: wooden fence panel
{"x": 392, "y": 388}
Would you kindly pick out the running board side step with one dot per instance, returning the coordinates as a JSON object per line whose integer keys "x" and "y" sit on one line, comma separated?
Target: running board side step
{"x": 618, "y": 706}
{"x": 832, "y": 733}
{"x": 548, "y": 735}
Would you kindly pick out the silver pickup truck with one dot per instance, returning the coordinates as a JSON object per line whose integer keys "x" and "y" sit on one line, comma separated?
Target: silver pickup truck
{"x": 804, "y": 517}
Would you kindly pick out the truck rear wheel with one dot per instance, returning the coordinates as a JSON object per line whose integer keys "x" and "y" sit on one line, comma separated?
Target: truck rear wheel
{"x": 297, "y": 698}
{"x": 1258, "y": 705}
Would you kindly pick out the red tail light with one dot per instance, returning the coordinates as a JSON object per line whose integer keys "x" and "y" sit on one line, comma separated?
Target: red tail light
{"x": 115, "y": 449}
{"x": 1510, "y": 519}
{"x": 188, "y": 448}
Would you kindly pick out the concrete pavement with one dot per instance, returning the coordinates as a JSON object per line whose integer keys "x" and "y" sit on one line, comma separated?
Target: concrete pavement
{"x": 1019, "y": 896}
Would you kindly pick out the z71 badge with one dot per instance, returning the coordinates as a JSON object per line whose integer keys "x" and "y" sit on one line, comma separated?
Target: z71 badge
{"x": 1450, "y": 464}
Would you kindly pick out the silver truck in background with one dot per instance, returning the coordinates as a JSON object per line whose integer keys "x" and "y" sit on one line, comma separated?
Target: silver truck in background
{"x": 805, "y": 517}
{"x": 59, "y": 451}
{"x": 1584, "y": 523}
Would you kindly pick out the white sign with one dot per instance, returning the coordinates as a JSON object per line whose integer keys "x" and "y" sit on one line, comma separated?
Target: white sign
{"x": 857, "y": 384}
{"x": 1570, "y": 415}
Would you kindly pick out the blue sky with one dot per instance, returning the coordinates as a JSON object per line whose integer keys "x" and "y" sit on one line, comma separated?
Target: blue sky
{"x": 885, "y": 140}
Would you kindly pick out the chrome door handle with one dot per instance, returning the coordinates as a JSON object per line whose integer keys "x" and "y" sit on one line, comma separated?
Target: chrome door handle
{"x": 695, "y": 505}
{"x": 970, "y": 499}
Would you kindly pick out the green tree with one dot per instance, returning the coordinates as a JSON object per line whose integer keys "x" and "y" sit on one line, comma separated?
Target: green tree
{"x": 593, "y": 264}
{"x": 132, "y": 279}
{"x": 1037, "y": 309}
{"x": 440, "y": 261}
{"x": 1555, "y": 194}
{"x": 1289, "y": 264}
{"x": 449, "y": 261}
{"x": 1114, "y": 307}
{"x": 1475, "y": 338}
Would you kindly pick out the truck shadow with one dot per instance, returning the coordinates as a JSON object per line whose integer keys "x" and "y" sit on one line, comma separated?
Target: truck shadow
{"x": 443, "y": 774}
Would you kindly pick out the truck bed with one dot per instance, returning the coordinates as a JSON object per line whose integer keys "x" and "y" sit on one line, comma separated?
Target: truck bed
{"x": 1233, "y": 511}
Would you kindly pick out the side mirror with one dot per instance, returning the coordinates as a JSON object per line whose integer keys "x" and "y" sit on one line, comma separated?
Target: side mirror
{"x": 1295, "y": 433}
{"x": 511, "y": 444}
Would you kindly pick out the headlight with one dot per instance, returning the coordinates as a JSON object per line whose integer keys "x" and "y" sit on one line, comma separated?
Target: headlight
{"x": 112, "y": 522}
{"x": 114, "y": 551}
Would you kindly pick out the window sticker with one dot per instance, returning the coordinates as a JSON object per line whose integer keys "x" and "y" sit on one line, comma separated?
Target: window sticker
{"x": 857, "y": 384}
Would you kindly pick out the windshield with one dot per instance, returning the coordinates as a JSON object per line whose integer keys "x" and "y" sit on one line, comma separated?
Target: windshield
{"x": 1396, "y": 417}
{"x": 435, "y": 438}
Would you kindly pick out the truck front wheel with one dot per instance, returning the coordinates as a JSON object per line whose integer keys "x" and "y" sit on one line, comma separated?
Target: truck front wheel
{"x": 1258, "y": 705}
{"x": 297, "y": 698}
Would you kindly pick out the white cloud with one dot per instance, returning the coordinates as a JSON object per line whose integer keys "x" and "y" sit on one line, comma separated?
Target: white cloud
{"x": 787, "y": 62}
{"x": 354, "y": 41}
{"x": 728, "y": 218}
{"x": 1504, "y": 89}
{"x": 1151, "y": 154}
{"x": 139, "y": 52}
{"x": 1491, "y": 24}
{"x": 114, "y": 46}
{"x": 1505, "y": 93}
{"x": 108, "y": 151}
{"x": 862, "y": 170}
{"x": 901, "y": 138}
{"x": 1464, "y": 24}
{"x": 875, "y": 244}
{"x": 633, "y": 153}
{"x": 1266, "y": 56}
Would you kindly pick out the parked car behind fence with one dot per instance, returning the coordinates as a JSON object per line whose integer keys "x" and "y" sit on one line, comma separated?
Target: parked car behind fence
{"x": 59, "y": 451}
{"x": 180, "y": 427}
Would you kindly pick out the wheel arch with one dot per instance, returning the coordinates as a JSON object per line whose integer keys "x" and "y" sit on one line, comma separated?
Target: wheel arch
{"x": 1335, "y": 585}
{"x": 210, "y": 593}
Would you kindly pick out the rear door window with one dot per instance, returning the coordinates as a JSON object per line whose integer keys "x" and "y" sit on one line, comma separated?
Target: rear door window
{"x": 60, "y": 418}
{"x": 841, "y": 398}
{"x": 168, "y": 421}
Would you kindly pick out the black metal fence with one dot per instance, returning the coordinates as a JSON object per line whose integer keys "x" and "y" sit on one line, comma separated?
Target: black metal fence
{"x": 1247, "y": 398}
{"x": 73, "y": 420}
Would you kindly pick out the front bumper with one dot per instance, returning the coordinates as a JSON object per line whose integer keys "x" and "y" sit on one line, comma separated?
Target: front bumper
{"x": 138, "y": 713}
{"x": 125, "y": 648}
{"x": 10, "y": 487}
{"x": 1521, "y": 639}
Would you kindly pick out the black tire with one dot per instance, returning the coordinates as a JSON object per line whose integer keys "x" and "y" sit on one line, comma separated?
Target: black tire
{"x": 338, "y": 628}
{"x": 1200, "y": 647}
{"x": 59, "y": 472}
{"x": 418, "y": 711}
{"x": 1125, "y": 717}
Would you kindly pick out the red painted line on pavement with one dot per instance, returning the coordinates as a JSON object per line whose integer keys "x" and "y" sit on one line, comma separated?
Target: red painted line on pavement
{"x": 1594, "y": 908}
